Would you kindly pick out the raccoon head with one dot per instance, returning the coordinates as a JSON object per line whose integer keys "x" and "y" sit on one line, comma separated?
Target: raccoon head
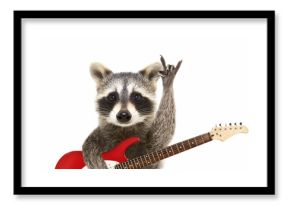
{"x": 125, "y": 99}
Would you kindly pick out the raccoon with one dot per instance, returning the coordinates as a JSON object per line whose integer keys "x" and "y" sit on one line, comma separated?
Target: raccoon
{"x": 126, "y": 106}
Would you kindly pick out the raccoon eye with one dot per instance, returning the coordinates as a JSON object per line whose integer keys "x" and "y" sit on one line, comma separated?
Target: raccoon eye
{"x": 112, "y": 97}
{"x": 137, "y": 96}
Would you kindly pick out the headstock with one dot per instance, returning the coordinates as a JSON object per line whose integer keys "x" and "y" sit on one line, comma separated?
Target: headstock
{"x": 224, "y": 132}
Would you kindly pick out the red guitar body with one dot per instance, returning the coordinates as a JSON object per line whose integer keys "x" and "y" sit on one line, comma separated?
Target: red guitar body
{"x": 75, "y": 160}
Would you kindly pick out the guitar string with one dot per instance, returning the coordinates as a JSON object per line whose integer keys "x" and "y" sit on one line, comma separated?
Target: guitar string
{"x": 161, "y": 152}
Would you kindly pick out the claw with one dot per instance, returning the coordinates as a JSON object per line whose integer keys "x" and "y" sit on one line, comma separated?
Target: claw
{"x": 163, "y": 61}
{"x": 178, "y": 66}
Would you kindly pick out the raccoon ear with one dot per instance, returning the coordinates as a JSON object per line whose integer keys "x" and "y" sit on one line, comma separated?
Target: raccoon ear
{"x": 152, "y": 71}
{"x": 99, "y": 72}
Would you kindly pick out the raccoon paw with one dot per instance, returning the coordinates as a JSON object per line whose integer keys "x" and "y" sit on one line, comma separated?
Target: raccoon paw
{"x": 168, "y": 73}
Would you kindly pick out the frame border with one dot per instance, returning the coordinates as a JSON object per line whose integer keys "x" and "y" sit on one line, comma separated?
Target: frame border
{"x": 268, "y": 190}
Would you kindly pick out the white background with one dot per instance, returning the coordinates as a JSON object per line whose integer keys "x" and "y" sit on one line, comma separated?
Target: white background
{"x": 222, "y": 79}
{"x": 282, "y": 45}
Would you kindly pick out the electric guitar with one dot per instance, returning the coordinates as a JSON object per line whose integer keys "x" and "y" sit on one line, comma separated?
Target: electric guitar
{"x": 116, "y": 158}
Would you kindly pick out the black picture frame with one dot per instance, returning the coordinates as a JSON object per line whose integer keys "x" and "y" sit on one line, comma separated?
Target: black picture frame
{"x": 268, "y": 190}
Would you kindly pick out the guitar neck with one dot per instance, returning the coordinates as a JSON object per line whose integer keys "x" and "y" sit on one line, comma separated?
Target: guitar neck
{"x": 153, "y": 157}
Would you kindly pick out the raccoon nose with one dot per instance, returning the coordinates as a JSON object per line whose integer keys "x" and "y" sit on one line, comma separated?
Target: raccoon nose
{"x": 124, "y": 116}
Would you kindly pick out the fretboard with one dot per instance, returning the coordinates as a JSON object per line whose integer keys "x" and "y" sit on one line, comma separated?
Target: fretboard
{"x": 153, "y": 157}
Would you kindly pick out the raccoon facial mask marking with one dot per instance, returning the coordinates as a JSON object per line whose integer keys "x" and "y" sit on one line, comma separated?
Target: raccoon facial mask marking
{"x": 142, "y": 104}
{"x": 148, "y": 95}
{"x": 106, "y": 104}
{"x": 125, "y": 109}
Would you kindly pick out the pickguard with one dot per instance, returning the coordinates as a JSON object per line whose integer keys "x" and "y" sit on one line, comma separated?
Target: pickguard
{"x": 111, "y": 164}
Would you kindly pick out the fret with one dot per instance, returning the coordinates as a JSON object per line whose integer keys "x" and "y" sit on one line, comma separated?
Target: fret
{"x": 180, "y": 147}
{"x": 125, "y": 166}
{"x": 176, "y": 147}
{"x": 155, "y": 153}
{"x": 201, "y": 137}
{"x": 167, "y": 153}
{"x": 144, "y": 160}
{"x": 196, "y": 144}
{"x": 136, "y": 163}
{"x": 120, "y": 166}
{"x": 188, "y": 143}
{"x": 151, "y": 158}
{"x": 170, "y": 151}
{"x": 175, "y": 151}
{"x": 157, "y": 156}
{"x": 140, "y": 162}
{"x": 199, "y": 140}
{"x": 183, "y": 146}
{"x": 164, "y": 153}
{"x": 160, "y": 155}
{"x": 192, "y": 143}
{"x": 148, "y": 159}
{"x": 130, "y": 164}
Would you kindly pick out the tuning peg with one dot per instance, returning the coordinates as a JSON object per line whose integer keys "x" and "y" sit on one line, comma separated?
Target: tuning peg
{"x": 226, "y": 126}
{"x": 241, "y": 123}
{"x": 235, "y": 123}
{"x": 220, "y": 124}
{"x": 230, "y": 124}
